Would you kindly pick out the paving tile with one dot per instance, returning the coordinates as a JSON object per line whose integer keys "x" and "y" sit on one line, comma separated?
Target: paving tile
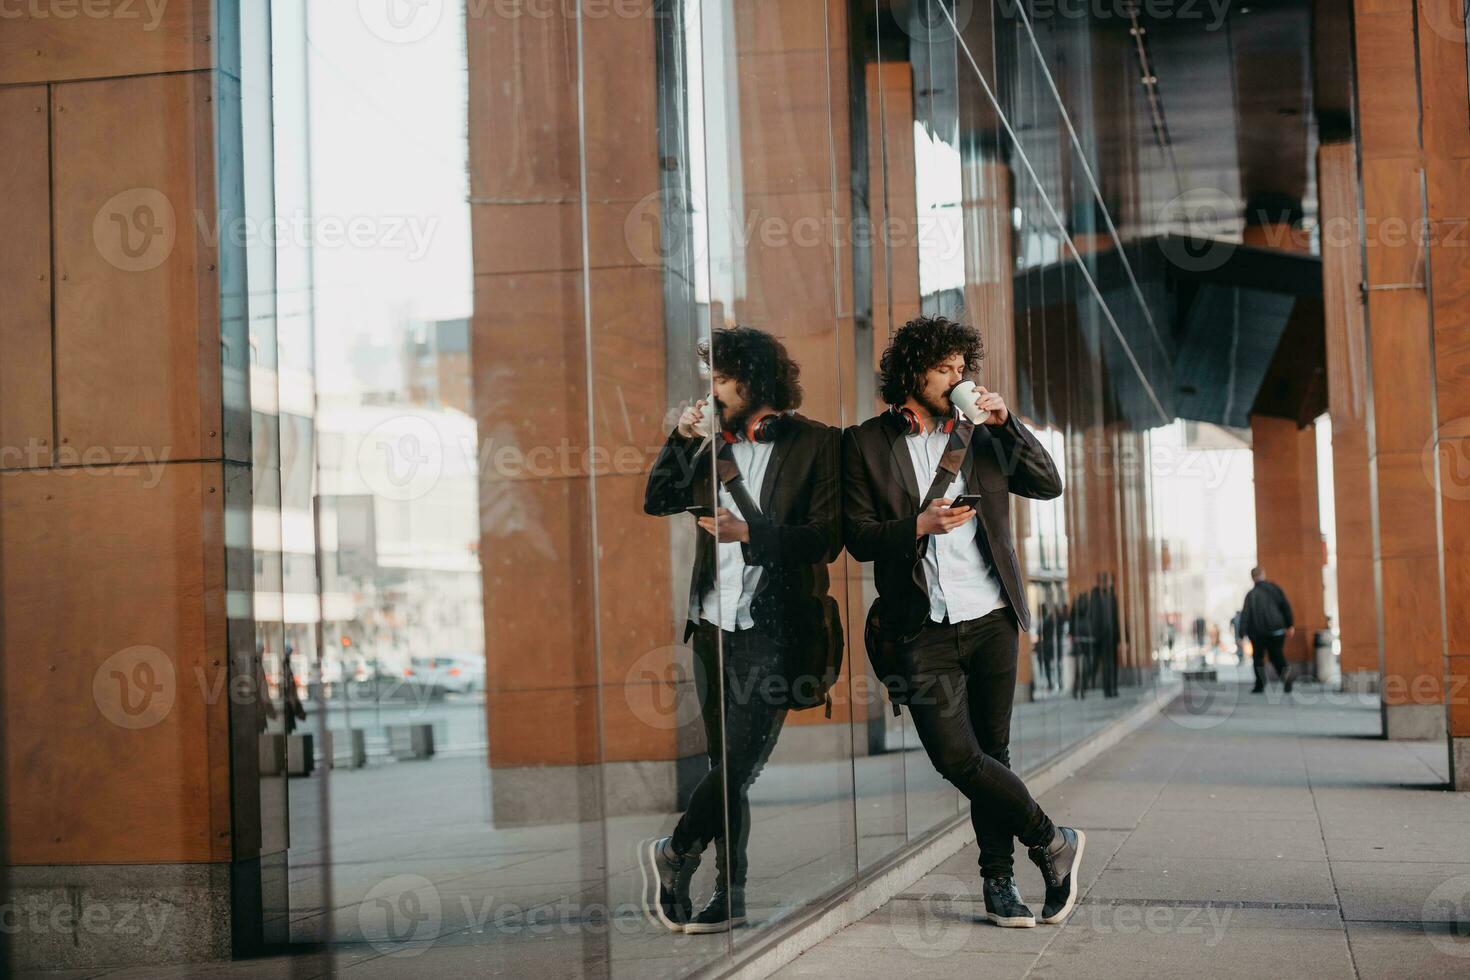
{"x": 1389, "y": 950}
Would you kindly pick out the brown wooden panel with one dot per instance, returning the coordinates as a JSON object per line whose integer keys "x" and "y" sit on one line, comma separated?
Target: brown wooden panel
{"x": 1393, "y": 209}
{"x": 1388, "y": 100}
{"x": 112, "y": 586}
{"x": 524, "y": 134}
{"x": 635, "y": 577}
{"x": 785, "y": 119}
{"x": 137, "y": 305}
{"x": 1449, "y": 195}
{"x": 25, "y": 279}
{"x": 1357, "y": 612}
{"x": 1451, "y": 274}
{"x": 1454, "y": 501}
{"x": 1458, "y": 676}
{"x": 789, "y": 263}
{"x": 785, "y": 25}
{"x": 537, "y": 555}
{"x": 1399, "y": 325}
{"x": 551, "y": 727}
{"x": 102, "y": 40}
{"x": 1406, "y": 502}
{"x": 1288, "y": 532}
{"x": 547, "y": 236}
{"x": 892, "y": 200}
{"x": 1413, "y": 654}
{"x": 1441, "y": 46}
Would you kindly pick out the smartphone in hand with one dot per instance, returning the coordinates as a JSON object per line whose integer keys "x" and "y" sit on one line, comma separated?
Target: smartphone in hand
{"x": 700, "y": 510}
{"x": 971, "y": 500}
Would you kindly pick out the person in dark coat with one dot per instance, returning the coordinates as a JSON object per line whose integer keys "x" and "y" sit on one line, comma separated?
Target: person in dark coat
{"x": 1266, "y": 620}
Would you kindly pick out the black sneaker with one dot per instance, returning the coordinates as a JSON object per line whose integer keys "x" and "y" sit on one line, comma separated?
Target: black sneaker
{"x": 1286, "y": 680}
{"x": 1258, "y": 690}
{"x": 722, "y": 913}
{"x": 666, "y": 878}
{"x": 1003, "y": 904}
{"x": 1059, "y": 862}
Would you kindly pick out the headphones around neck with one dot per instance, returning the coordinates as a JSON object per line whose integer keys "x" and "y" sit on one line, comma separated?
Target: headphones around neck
{"x": 763, "y": 428}
{"x": 914, "y": 426}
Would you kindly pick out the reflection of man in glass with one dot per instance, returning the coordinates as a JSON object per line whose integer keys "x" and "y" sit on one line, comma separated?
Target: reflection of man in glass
{"x": 944, "y": 632}
{"x": 766, "y": 536}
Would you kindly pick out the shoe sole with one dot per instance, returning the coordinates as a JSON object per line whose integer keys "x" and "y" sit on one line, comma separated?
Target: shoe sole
{"x": 1066, "y": 910}
{"x": 704, "y": 928}
{"x": 1012, "y": 921}
{"x": 653, "y": 910}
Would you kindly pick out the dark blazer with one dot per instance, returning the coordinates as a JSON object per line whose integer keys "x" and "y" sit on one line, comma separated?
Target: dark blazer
{"x": 1266, "y": 610}
{"x": 881, "y": 499}
{"x": 795, "y": 536}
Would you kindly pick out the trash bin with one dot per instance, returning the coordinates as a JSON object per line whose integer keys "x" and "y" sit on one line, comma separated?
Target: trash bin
{"x": 1325, "y": 658}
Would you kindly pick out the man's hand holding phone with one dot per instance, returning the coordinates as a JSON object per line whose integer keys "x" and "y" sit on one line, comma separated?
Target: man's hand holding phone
{"x": 725, "y": 526}
{"x": 940, "y": 518}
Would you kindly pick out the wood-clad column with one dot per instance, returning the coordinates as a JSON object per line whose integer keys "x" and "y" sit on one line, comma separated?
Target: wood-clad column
{"x": 893, "y": 214}
{"x": 794, "y": 191}
{"x": 1288, "y": 528}
{"x": 1347, "y": 399}
{"x": 574, "y": 572}
{"x": 1396, "y": 179}
{"x": 129, "y": 761}
{"x": 1442, "y": 55}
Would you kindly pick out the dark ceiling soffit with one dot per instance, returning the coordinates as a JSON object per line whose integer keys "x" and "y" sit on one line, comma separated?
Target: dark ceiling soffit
{"x": 1244, "y": 266}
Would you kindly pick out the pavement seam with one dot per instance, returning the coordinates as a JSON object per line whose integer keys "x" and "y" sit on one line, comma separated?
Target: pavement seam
{"x": 1331, "y": 874}
{"x": 1163, "y": 784}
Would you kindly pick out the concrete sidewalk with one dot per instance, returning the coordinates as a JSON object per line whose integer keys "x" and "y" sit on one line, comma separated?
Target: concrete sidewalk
{"x": 1238, "y": 835}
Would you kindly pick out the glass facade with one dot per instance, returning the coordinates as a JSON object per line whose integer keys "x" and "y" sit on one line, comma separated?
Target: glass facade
{"x": 484, "y": 270}
{"x": 525, "y": 226}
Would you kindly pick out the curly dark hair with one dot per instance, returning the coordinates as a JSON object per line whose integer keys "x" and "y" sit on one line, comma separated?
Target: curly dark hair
{"x": 759, "y": 362}
{"x": 919, "y": 345}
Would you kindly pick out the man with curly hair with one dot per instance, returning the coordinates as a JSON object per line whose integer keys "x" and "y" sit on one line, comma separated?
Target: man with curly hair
{"x": 943, "y": 633}
{"x": 762, "y": 482}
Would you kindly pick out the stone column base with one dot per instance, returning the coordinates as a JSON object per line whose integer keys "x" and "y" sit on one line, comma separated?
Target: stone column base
{"x": 1460, "y": 763}
{"x": 1415, "y": 722}
{"x": 82, "y": 916}
{"x": 1360, "y": 682}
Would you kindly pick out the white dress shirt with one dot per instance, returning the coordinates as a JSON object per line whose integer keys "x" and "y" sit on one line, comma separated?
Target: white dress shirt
{"x": 962, "y": 584}
{"x": 727, "y": 602}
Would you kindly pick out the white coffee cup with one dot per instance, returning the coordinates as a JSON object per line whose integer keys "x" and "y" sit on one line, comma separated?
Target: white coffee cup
{"x": 704, "y": 426}
{"x": 966, "y": 398}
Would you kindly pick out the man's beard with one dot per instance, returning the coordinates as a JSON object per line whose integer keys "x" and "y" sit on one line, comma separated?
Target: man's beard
{"x": 940, "y": 410}
{"x": 729, "y": 422}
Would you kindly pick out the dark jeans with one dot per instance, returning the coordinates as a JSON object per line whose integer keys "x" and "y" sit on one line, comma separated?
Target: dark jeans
{"x": 743, "y": 713}
{"x": 1268, "y": 646}
{"x": 962, "y": 679}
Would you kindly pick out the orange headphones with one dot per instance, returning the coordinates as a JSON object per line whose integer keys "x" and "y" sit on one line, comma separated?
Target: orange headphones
{"x": 914, "y": 426}
{"x": 762, "y": 429}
